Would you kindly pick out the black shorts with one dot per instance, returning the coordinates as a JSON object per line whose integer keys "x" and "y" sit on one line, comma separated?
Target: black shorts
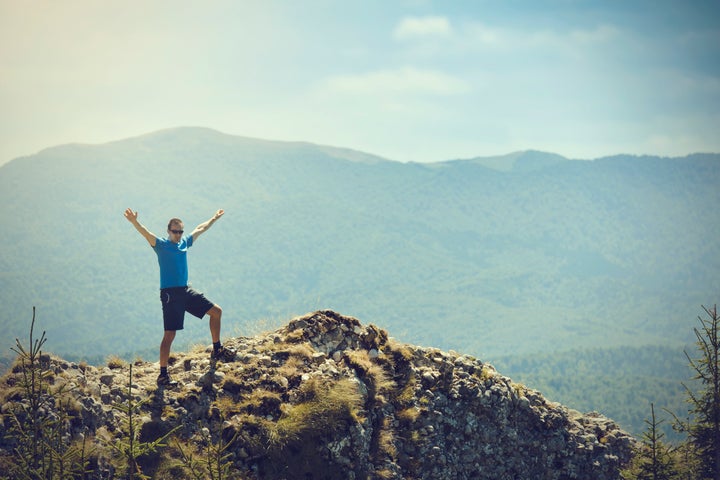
{"x": 178, "y": 300}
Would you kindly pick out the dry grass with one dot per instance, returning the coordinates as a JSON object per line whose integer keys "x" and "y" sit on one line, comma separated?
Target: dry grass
{"x": 400, "y": 350}
{"x": 326, "y": 407}
{"x": 258, "y": 400}
{"x": 408, "y": 415}
{"x": 227, "y": 406}
{"x": 295, "y": 336}
{"x": 379, "y": 381}
{"x": 384, "y": 473}
{"x": 169, "y": 412}
{"x": 406, "y": 395}
{"x": 359, "y": 360}
{"x": 386, "y": 439}
{"x": 485, "y": 373}
{"x": 293, "y": 367}
{"x": 302, "y": 350}
{"x": 68, "y": 403}
{"x": 520, "y": 389}
{"x": 114, "y": 362}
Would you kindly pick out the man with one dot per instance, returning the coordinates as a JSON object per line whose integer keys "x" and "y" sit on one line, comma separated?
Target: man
{"x": 176, "y": 296}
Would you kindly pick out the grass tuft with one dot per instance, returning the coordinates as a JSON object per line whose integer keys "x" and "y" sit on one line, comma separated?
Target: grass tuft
{"x": 326, "y": 406}
{"x": 115, "y": 363}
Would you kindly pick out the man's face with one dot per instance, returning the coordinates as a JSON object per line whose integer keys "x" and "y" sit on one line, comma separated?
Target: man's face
{"x": 175, "y": 232}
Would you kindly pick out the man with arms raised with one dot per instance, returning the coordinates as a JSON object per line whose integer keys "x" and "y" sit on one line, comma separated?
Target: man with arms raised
{"x": 176, "y": 295}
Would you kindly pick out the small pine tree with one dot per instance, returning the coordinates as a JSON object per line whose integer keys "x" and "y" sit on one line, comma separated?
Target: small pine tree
{"x": 38, "y": 425}
{"x": 130, "y": 447}
{"x": 703, "y": 428}
{"x": 655, "y": 460}
{"x": 29, "y": 424}
{"x": 215, "y": 462}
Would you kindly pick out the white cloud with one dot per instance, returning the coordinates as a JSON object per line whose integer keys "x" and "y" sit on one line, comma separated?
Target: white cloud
{"x": 414, "y": 27}
{"x": 477, "y": 35}
{"x": 403, "y": 80}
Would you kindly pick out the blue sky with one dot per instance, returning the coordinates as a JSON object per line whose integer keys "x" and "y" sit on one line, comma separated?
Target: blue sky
{"x": 408, "y": 80}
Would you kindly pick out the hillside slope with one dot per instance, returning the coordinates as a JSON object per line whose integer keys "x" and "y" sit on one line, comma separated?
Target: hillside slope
{"x": 327, "y": 398}
{"x": 524, "y": 255}
{"x": 536, "y": 254}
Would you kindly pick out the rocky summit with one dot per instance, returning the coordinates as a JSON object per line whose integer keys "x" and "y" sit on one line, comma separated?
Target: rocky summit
{"x": 322, "y": 398}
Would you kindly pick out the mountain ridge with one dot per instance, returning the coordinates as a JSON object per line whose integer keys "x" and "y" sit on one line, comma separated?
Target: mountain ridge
{"x": 520, "y": 161}
{"x": 192, "y": 135}
{"x": 538, "y": 159}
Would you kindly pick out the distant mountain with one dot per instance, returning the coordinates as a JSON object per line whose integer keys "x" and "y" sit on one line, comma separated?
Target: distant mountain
{"x": 524, "y": 254}
{"x": 527, "y": 161}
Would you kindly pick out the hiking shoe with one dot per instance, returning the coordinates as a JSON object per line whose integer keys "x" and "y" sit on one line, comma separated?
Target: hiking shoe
{"x": 224, "y": 354}
{"x": 165, "y": 381}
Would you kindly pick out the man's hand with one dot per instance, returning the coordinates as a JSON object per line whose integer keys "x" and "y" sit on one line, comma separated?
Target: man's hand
{"x": 202, "y": 228}
{"x": 131, "y": 216}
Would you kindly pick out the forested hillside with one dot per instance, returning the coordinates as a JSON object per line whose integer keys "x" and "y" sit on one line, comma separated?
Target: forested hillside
{"x": 508, "y": 256}
{"x": 620, "y": 382}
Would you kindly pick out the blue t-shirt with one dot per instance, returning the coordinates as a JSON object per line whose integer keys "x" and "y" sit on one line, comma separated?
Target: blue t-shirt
{"x": 172, "y": 258}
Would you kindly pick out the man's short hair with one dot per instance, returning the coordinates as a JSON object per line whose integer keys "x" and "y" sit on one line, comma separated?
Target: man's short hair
{"x": 175, "y": 221}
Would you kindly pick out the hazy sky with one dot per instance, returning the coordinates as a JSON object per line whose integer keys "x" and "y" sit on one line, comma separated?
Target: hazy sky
{"x": 408, "y": 80}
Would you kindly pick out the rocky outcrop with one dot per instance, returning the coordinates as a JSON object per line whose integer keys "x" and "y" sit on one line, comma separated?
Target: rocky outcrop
{"x": 328, "y": 398}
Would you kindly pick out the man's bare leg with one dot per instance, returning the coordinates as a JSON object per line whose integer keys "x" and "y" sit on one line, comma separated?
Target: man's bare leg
{"x": 219, "y": 352}
{"x": 215, "y": 315}
{"x": 165, "y": 347}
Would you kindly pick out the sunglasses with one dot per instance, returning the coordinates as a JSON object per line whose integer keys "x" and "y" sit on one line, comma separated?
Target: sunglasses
{"x": 177, "y": 232}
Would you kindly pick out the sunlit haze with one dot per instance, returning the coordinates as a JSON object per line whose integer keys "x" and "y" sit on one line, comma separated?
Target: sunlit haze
{"x": 407, "y": 80}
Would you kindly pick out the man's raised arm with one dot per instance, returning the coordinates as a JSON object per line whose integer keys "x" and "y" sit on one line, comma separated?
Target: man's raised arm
{"x": 132, "y": 218}
{"x": 202, "y": 228}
